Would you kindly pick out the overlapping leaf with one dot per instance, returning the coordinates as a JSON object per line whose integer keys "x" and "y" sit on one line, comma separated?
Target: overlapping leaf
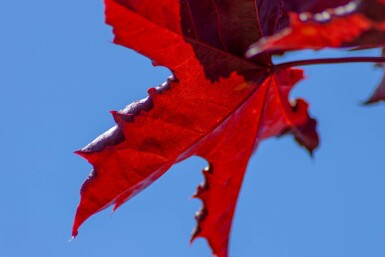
{"x": 320, "y": 24}
{"x": 355, "y": 24}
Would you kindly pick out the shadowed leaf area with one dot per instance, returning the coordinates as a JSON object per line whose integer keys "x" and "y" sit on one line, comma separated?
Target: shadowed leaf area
{"x": 218, "y": 104}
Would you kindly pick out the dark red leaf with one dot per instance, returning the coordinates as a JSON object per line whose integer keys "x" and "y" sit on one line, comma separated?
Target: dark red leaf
{"x": 217, "y": 105}
{"x": 306, "y": 134}
{"x": 358, "y": 23}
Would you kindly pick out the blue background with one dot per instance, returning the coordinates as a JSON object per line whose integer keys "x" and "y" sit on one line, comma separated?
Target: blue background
{"x": 59, "y": 77}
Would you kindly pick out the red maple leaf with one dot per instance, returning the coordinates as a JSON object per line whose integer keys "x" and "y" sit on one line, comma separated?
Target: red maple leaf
{"x": 218, "y": 104}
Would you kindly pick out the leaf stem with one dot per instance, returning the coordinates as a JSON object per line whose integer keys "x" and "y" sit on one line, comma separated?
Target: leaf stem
{"x": 328, "y": 61}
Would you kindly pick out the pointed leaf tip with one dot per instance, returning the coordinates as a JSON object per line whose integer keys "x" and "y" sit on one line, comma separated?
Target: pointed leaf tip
{"x": 74, "y": 234}
{"x": 81, "y": 153}
{"x": 89, "y": 156}
{"x": 121, "y": 118}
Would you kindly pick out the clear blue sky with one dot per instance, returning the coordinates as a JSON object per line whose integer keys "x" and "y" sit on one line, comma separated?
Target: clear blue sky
{"x": 59, "y": 77}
